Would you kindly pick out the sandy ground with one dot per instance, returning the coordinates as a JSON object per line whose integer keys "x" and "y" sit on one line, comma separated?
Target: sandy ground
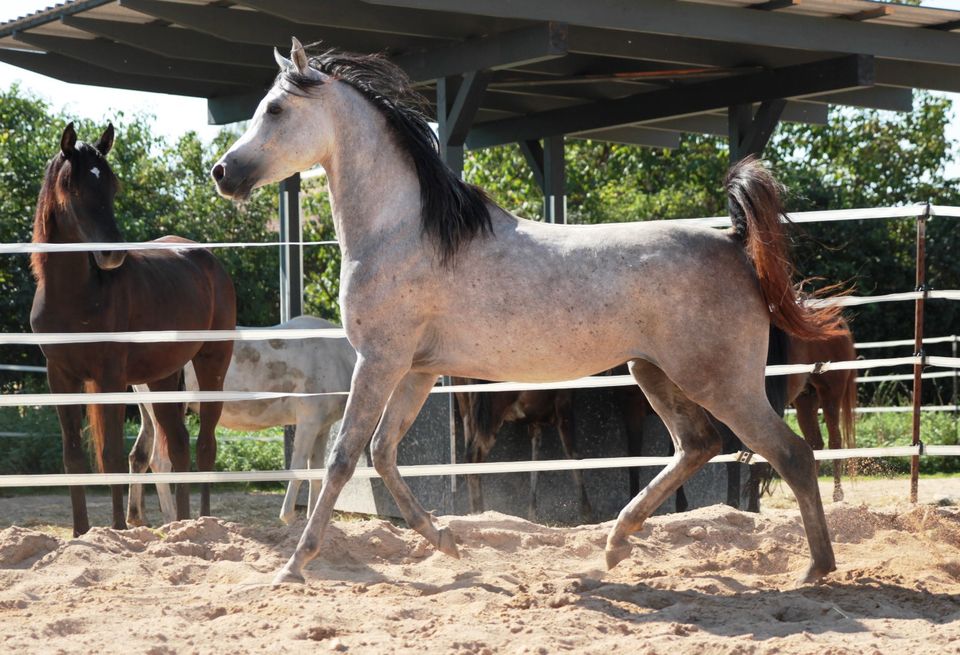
{"x": 710, "y": 581}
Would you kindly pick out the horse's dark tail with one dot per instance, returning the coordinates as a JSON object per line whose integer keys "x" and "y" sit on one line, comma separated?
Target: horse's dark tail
{"x": 753, "y": 197}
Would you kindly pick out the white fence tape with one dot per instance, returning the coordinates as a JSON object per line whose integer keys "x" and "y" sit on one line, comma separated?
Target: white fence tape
{"x": 265, "y": 334}
{"x": 426, "y": 470}
{"x": 24, "y": 248}
{"x": 905, "y": 342}
{"x": 170, "y": 336}
{"x": 591, "y": 382}
{"x": 909, "y": 211}
{"x": 23, "y": 368}
{"x": 905, "y": 376}
{"x": 904, "y": 409}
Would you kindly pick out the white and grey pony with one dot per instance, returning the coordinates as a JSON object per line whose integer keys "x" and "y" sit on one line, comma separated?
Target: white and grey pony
{"x": 289, "y": 365}
{"x": 436, "y": 279}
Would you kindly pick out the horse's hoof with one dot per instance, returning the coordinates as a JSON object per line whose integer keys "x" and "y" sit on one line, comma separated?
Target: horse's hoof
{"x": 448, "y": 543}
{"x": 814, "y": 574}
{"x": 135, "y": 522}
{"x": 286, "y": 576}
{"x": 616, "y": 555}
{"x": 288, "y": 518}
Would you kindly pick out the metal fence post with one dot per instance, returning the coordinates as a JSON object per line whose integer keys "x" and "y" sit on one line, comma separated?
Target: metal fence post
{"x": 918, "y": 346}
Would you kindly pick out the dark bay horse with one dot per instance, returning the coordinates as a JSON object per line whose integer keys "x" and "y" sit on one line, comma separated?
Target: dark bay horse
{"x": 426, "y": 261}
{"x": 834, "y": 391}
{"x": 484, "y": 413}
{"x": 116, "y": 291}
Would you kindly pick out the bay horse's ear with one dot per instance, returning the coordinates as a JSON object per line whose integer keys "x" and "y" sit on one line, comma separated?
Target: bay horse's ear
{"x": 68, "y": 141}
{"x": 105, "y": 142}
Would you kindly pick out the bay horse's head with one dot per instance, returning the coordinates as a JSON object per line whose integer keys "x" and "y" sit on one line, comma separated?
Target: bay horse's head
{"x": 76, "y": 199}
{"x": 286, "y": 134}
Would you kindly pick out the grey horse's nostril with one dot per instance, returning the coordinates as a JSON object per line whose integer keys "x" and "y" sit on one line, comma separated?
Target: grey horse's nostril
{"x": 218, "y": 172}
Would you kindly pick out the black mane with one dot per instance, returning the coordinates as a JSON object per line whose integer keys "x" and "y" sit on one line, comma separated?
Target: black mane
{"x": 452, "y": 211}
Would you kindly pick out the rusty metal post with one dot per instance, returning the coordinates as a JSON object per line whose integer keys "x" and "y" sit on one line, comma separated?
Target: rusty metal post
{"x": 956, "y": 380}
{"x": 918, "y": 346}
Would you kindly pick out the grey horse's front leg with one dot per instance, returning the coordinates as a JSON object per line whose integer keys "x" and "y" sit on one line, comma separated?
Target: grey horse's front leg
{"x": 372, "y": 384}
{"x": 402, "y": 410}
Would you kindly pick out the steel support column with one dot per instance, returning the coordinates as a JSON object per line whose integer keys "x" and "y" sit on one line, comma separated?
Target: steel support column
{"x": 750, "y": 132}
{"x": 550, "y": 173}
{"x": 291, "y": 271}
{"x": 458, "y": 99}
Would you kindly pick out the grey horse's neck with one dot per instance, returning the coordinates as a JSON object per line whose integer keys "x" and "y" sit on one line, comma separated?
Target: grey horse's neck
{"x": 374, "y": 191}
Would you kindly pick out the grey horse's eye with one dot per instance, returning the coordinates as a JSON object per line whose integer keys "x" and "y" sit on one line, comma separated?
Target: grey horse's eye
{"x": 274, "y": 109}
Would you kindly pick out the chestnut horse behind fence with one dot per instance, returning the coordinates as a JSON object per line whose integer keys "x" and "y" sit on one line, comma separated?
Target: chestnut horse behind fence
{"x": 833, "y": 391}
{"x": 117, "y": 291}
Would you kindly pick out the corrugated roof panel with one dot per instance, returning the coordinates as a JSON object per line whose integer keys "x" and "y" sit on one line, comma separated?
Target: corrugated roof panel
{"x": 117, "y": 13}
{"x": 56, "y": 28}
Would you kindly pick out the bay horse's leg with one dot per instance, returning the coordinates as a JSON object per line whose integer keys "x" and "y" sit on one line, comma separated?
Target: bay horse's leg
{"x": 564, "y": 412}
{"x": 831, "y": 416}
{"x": 71, "y": 427}
{"x": 536, "y": 440}
{"x": 108, "y": 420}
{"x": 304, "y": 437}
{"x": 210, "y": 365}
{"x": 695, "y": 442}
{"x": 172, "y": 439}
{"x": 139, "y": 460}
{"x": 373, "y": 383}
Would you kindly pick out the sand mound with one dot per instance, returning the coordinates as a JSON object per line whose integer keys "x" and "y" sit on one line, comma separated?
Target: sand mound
{"x": 714, "y": 580}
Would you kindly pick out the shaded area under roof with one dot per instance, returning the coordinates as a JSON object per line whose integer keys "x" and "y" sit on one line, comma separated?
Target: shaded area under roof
{"x": 636, "y": 72}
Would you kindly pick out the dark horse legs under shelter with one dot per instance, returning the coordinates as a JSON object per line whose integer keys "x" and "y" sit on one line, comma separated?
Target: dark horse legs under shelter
{"x": 484, "y": 413}
{"x": 116, "y": 291}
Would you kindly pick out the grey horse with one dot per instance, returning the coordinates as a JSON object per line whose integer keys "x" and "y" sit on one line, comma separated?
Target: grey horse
{"x": 427, "y": 262}
{"x": 303, "y": 365}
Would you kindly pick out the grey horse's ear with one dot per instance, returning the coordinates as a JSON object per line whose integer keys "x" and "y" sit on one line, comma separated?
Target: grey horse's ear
{"x": 301, "y": 63}
{"x": 68, "y": 140}
{"x": 105, "y": 142}
{"x": 299, "y": 56}
{"x": 284, "y": 63}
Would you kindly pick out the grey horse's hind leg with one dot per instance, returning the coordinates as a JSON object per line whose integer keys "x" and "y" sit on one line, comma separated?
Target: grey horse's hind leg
{"x": 305, "y": 436}
{"x": 760, "y": 428}
{"x": 139, "y": 460}
{"x": 370, "y": 389}
{"x": 695, "y": 442}
{"x": 405, "y": 404}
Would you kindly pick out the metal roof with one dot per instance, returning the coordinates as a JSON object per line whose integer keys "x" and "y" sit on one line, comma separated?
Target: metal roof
{"x": 640, "y": 71}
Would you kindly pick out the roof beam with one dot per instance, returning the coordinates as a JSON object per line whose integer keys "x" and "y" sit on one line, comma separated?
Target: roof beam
{"x": 735, "y": 24}
{"x": 774, "y": 5}
{"x": 255, "y": 27}
{"x": 869, "y": 14}
{"x": 76, "y": 71}
{"x": 125, "y": 59}
{"x": 790, "y": 81}
{"x": 877, "y": 97}
{"x": 517, "y": 48}
{"x": 700, "y": 52}
{"x": 350, "y": 14}
{"x": 635, "y": 136}
{"x": 175, "y": 42}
